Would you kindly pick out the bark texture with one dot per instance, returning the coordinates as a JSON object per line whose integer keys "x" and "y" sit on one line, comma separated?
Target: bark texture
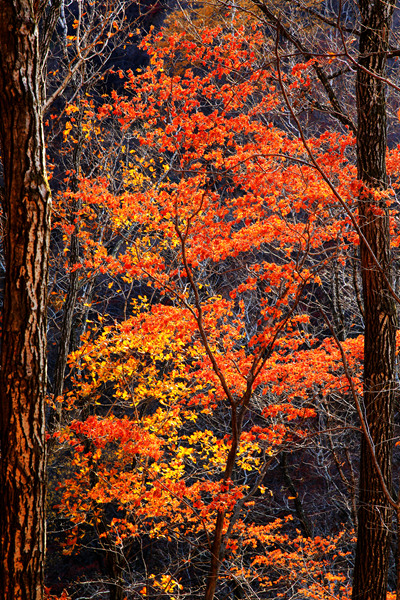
{"x": 23, "y": 351}
{"x": 374, "y": 514}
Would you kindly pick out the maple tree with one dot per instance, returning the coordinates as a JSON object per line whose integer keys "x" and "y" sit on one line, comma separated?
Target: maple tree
{"x": 227, "y": 221}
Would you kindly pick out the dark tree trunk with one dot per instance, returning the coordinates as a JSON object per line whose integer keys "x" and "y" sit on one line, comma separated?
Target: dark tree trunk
{"x": 73, "y": 286}
{"x": 374, "y": 515}
{"x": 23, "y": 351}
{"x": 304, "y": 521}
{"x": 65, "y": 338}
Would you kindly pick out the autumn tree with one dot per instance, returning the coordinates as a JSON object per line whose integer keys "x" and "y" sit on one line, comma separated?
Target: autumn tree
{"x": 218, "y": 353}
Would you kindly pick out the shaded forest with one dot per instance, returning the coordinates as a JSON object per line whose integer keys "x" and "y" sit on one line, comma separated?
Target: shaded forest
{"x": 221, "y": 301}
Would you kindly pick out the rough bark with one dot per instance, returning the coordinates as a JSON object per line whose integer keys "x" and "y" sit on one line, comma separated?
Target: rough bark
{"x": 23, "y": 352}
{"x": 374, "y": 514}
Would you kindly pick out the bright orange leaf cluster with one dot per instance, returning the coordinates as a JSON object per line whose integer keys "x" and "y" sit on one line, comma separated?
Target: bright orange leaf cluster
{"x": 214, "y": 370}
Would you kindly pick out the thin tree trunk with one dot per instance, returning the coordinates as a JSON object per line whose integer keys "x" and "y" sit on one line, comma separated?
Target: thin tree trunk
{"x": 65, "y": 338}
{"x": 305, "y": 523}
{"x": 374, "y": 513}
{"x": 215, "y": 562}
{"x": 23, "y": 351}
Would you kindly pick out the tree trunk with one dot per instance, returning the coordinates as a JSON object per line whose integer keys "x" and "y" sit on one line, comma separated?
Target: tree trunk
{"x": 23, "y": 351}
{"x": 65, "y": 338}
{"x": 374, "y": 514}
